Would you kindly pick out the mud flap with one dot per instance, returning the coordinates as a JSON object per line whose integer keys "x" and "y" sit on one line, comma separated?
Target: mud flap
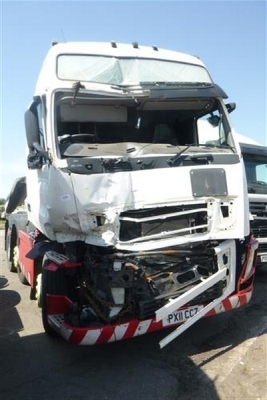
{"x": 226, "y": 251}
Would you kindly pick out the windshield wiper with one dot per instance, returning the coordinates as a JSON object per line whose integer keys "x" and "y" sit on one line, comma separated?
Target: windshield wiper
{"x": 218, "y": 145}
{"x": 131, "y": 89}
{"x": 173, "y": 160}
{"x": 198, "y": 158}
{"x": 173, "y": 83}
{"x": 125, "y": 87}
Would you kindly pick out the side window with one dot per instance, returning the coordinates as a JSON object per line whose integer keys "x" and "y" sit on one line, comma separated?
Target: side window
{"x": 40, "y": 121}
{"x": 211, "y": 129}
{"x": 261, "y": 173}
{"x": 256, "y": 172}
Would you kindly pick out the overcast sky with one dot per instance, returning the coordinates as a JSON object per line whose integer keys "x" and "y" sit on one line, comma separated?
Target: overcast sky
{"x": 228, "y": 36}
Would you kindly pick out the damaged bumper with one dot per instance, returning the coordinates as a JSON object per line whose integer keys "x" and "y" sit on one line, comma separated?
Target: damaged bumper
{"x": 181, "y": 310}
{"x": 133, "y": 328}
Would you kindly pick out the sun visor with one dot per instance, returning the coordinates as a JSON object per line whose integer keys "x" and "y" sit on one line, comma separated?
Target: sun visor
{"x": 92, "y": 113}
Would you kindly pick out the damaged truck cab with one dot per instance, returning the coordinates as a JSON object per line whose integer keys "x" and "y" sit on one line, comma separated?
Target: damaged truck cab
{"x": 136, "y": 194}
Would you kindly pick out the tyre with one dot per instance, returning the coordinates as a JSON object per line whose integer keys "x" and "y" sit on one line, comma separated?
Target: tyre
{"x": 38, "y": 290}
{"x": 52, "y": 282}
{"x": 9, "y": 251}
{"x": 22, "y": 278}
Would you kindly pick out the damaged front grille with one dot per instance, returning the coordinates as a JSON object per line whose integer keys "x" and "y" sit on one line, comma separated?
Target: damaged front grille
{"x": 118, "y": 286}
{"x": 163, "y": 221}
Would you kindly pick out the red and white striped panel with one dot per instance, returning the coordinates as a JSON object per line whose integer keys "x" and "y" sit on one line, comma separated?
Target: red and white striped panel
{"x": 115, "y": 332}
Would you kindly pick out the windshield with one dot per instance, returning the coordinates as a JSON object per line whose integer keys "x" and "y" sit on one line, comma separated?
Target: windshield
{"x": 94, "y": 126}
{"x": 127, "y": 71}
{"x": 256, "y": 172}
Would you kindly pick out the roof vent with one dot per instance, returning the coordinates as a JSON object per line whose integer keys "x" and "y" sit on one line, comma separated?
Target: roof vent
{"x": 113, "y": 44}
{"x": 155, "y": 48}
{"x": 135, "y": 45}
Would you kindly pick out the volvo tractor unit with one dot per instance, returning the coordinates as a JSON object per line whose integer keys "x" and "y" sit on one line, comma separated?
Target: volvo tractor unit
{"x": 135, "y": 222}
{"x": 255, "y": 159}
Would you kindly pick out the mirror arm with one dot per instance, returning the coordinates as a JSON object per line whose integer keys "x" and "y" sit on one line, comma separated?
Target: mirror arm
{"x": 40, "y": 150}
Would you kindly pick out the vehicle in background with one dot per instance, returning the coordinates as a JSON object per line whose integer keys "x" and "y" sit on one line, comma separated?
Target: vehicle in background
{"x": 16, "y": 220}
{"x": 136, "y": 222}
{"x": 255, "y": 158}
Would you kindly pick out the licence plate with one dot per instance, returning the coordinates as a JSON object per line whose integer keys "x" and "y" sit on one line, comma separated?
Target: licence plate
{"x": 264, "y": 258}
{"x": 181, "y": 315}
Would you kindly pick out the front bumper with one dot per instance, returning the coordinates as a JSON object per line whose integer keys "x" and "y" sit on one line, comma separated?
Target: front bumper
{"x": 127, "y": 330}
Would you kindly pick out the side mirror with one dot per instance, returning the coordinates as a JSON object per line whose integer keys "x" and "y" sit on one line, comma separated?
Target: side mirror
{"x": 32, "y": 129}
{"x": 37, "y": 155}
{"x": 230, "y": 107}
{"x": 36, "y": 159}
{"x": 214, "y": 120}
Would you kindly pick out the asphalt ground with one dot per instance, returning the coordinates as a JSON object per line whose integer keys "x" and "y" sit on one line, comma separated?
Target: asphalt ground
{"x": 219, "y": 358}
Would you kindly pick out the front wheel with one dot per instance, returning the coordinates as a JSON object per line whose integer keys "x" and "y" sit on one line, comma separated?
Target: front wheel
{"x": 21, "y": 276}
{"x": 9, "y": 251}
{"x": 52, "y": 282}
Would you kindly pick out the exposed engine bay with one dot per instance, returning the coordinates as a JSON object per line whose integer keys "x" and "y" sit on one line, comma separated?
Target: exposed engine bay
{"x": 111, "y": 287}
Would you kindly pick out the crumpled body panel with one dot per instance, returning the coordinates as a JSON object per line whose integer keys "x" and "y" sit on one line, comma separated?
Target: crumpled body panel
{"x": 90, "y": 207}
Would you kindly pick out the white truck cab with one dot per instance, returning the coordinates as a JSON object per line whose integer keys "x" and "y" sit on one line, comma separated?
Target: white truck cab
{"x": 137, "y": 215}
{"x": 255, "y": 159}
